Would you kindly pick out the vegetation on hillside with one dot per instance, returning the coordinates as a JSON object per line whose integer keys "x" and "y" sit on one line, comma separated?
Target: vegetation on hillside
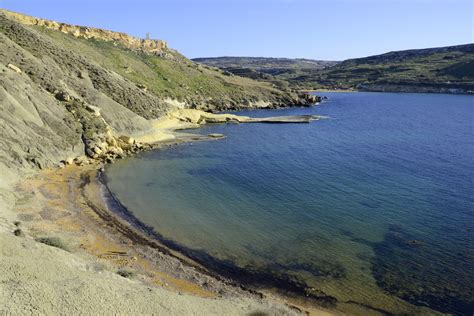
{"x": 66, "y": 95}
{"x": 175, "y": 77}
{"x": 277, "y": 71}
{"x": 444, "y": 69}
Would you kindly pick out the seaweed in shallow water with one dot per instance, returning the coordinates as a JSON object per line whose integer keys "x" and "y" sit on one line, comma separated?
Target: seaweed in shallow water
{"x": 416, "y": 272}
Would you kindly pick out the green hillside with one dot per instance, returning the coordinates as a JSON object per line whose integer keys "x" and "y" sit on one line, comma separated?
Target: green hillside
{"x": 278, "y": 71}
{"x": 444, "y": 69}
{"x": 176, "y": 77}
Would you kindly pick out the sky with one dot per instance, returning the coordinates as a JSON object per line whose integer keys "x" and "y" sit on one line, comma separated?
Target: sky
{"x": 326, "y": 29}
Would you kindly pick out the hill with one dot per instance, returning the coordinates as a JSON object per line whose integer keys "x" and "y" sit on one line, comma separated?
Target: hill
{"x": 264, "y": 65}
{"x": 53, "y": 71}
{"x": 275, "y": 70}
{"x": 443, "y": 69}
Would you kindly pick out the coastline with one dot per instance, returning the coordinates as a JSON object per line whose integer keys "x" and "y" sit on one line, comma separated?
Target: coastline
{"x": 77, "y": 210}
{"x": 314, "y": 225}
{"x": 66, "y": 205}
{"x": 254, "y": 281}
{"x": 330, "y": 90}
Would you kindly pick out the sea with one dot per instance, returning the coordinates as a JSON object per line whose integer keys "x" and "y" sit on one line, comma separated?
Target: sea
{"x": 367, "y": 211}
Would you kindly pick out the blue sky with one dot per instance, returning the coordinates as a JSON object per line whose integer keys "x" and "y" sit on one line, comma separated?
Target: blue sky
{"x": 327, "y": 29}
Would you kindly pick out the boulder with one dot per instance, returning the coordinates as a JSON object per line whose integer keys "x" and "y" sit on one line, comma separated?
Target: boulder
{"x": 127, "y": 139}
{"x": 111, "y": 141}
{"x": 116, "y": 151}
{"x": 14, "y": 68}
{"x": 62, "y": 96}
{"x": 81, "y": 160}
{"x": 103, "y": 146}
{"x": 142, "y": 86}
{"x": 90, "y": 153}
{"x": 97, "y": 151}
{"x": 93, "y": 109}
{"x": 126, "y": 147}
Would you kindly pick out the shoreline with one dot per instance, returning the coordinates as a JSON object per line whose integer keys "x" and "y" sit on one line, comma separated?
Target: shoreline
{"x": 253, "y": 281}
{"x": 331, "y": 90}
{"x": 93, "y": 233}
{"x": 97, "y": 232}
{"x": 292, "y": 293}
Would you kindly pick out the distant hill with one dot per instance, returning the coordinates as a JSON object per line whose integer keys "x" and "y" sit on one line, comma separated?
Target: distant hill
{"x": 265, "y": 64}
{"x": 443, "y": 69}
{"x": 275, "y": 70}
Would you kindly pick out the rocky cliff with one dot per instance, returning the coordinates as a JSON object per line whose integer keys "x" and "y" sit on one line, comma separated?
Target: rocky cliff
{"x": 150, "y": 46}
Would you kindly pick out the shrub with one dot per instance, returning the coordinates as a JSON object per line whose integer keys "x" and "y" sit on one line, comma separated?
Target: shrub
{"x": 18, "y": 232}
{"x": 53, "y": 242}
{"x": 125, "y": 273}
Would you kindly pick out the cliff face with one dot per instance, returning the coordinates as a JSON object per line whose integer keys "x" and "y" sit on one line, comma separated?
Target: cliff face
{"x": 150, "y": 46}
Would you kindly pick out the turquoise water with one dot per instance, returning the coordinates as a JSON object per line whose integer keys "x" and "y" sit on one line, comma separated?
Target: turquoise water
{"x": 368, "y": 211}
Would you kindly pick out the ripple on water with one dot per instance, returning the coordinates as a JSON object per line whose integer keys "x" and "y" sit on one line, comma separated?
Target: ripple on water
{"x": 371, "y": 211}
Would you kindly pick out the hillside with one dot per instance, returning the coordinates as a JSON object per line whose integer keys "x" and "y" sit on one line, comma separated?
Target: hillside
{"x": 275, "y": 70}
{"x": 444, "y": 69}
{"x": 271, "y": 66}
{"x": 52, "y": 73}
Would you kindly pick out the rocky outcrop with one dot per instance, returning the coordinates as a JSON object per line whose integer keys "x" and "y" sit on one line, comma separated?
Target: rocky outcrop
{"x": 306, "y": 99}
{"x": 150, "y": 46}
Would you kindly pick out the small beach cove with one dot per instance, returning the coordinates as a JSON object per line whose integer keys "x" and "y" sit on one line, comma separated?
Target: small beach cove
{"x": 215, "y": 201}
{"x": 73, "y": 206}
{"x": 155, "y": 165}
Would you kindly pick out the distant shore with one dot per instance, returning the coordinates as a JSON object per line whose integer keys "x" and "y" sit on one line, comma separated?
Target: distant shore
{"x": 330, "y": 90}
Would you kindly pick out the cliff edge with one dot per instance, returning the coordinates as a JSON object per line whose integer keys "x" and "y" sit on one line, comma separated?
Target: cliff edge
{"x": 150, "y": 46}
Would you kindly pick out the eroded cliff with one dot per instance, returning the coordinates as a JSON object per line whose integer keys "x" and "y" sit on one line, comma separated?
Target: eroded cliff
{"x": 151, "y": 46}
